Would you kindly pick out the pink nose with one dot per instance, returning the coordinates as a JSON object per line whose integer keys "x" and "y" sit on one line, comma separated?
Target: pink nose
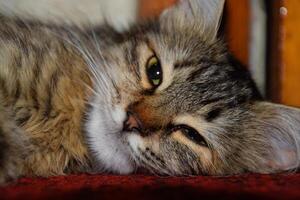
{"x": 131, "y": 123}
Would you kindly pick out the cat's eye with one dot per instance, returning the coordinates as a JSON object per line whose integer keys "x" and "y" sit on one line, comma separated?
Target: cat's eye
{"x": 154, "y": 71}
{"x": 192, "y": 134}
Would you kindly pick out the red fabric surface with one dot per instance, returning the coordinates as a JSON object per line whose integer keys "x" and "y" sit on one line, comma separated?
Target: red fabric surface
{"x": 152, "y": 187}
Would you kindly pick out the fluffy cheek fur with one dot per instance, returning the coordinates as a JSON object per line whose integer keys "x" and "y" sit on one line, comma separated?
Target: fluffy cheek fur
{"x": 157, "y": 154}
{"x": 106, "y": 140}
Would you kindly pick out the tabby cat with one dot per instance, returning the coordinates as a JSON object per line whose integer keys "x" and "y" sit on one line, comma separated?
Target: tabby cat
{"x": 164, "y": 95}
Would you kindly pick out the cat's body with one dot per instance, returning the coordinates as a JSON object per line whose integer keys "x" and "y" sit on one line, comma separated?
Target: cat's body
{"x": 165, "y": 95}
{"x": 43, "y": 87}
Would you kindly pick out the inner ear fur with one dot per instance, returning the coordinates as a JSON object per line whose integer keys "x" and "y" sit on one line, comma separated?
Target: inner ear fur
{"x": 279, "y": 127}
{"x": 203, "y": 16}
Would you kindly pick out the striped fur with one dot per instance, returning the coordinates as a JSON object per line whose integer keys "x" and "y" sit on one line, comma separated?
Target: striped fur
{"x": 39, "y": 78}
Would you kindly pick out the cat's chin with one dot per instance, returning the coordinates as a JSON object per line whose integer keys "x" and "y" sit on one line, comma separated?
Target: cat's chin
{"x": 106, "y": 141}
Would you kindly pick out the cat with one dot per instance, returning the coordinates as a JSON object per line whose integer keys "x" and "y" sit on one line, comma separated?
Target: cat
{"x": 164, "y": 95}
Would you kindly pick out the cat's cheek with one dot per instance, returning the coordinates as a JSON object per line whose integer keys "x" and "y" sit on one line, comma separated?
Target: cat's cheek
{"x": 106, "y": 141}
{"x": 139, "y": 144}
{"x": 112, "y": 155}
{"x": 136, "y": 142}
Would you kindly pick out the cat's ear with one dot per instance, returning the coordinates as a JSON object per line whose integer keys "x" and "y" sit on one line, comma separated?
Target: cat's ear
{"x": 203, "y": 15}
{"x": 279, "y": 126}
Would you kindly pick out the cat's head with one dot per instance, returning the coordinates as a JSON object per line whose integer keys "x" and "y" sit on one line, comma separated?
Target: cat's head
{"x": 168, "y": 97}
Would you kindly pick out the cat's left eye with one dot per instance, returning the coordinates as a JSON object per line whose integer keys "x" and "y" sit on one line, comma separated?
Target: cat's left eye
{"x": 154, "y": 71}
{"x": 193, "y": 135}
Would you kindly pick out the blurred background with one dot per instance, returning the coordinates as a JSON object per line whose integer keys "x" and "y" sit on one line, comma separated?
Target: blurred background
{"x": 262, "y": 34}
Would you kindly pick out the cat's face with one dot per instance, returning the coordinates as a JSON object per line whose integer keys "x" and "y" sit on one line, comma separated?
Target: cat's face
{"x": 169, "y": 98}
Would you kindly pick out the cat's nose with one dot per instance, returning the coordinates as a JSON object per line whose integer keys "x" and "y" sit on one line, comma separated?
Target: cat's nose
{"x": 132, "y": 123}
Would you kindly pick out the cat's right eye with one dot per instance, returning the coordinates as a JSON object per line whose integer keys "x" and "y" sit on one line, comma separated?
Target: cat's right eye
{"x": 154, "y": 71}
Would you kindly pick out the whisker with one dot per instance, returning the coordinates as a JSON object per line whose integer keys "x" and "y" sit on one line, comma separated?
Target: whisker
{"x": 150, "y": 162}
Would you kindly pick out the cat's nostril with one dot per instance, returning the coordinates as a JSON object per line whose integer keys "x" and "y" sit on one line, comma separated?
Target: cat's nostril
{"x": 131, "y": 123}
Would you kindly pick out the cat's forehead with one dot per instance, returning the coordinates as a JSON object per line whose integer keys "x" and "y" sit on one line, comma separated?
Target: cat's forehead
{"x": 171, "y": 40}
{"x": 195, "y": 72}
{"x": 179, "y": 45}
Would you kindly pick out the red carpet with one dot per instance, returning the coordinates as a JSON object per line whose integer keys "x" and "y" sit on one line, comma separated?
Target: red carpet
{"x": 150, "y": 187}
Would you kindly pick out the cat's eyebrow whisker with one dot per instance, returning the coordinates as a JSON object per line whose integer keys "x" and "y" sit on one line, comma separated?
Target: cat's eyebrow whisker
{"x": 92, "y": 64}
{"x": 102, "y": 57}
{"x": 89, "y": 59}
{"x": 97, "y": 44}
{"x": 91, "y": 89}
{"x": 100, "y": 81}
{"x": 98, "y": 48}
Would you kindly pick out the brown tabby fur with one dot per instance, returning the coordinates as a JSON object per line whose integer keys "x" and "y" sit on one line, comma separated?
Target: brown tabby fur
{"x": 45, "y": 97}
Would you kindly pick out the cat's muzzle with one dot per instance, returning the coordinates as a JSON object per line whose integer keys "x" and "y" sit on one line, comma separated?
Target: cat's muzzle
{"x": 132, "y": 123}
